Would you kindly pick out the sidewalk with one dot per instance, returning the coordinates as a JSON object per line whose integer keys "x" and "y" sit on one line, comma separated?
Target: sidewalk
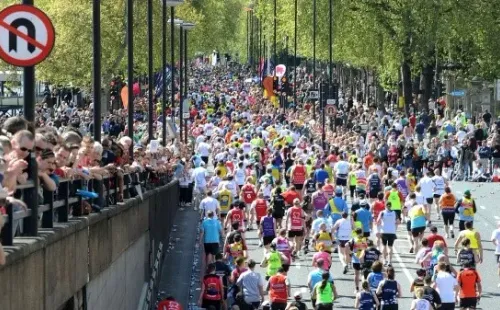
{"x": 180, "y": 271}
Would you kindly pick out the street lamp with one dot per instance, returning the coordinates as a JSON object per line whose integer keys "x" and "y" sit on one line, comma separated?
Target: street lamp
{"x": 172, "y": 4}
{"x": 166, "y": 4}
{"x": 130, "y": 73}
{"x": 186, "y": 27}
{"x": 150, "y": 70}
{"x": 173, "y": 22}
{"x": 178, "y": 23}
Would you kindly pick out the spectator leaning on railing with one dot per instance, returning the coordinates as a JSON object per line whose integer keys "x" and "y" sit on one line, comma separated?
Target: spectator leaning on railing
{"x": 64, "y": 153}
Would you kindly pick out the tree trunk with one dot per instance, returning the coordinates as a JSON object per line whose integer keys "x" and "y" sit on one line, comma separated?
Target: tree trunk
{"x": 426, "y": 84}
{"x": 406, "y": 81}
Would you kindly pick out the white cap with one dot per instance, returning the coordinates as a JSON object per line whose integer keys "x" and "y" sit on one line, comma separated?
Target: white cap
{"x": 297, "y": 294}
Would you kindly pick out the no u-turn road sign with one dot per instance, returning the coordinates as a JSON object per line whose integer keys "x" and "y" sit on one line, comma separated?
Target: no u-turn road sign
{"x": 26, "y": 35}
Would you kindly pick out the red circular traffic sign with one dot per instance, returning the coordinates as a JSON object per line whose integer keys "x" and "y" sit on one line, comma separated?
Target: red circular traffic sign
{"x": 31, "y": 46}
{"x": 331, "y": 110}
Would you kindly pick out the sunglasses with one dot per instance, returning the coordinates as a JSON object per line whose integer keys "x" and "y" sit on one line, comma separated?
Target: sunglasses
{"x": 25, "y": 149}
{"x": 39, "y": 149}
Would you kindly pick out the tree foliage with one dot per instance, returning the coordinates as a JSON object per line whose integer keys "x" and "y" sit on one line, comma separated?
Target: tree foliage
{"x": 71, "y": 58}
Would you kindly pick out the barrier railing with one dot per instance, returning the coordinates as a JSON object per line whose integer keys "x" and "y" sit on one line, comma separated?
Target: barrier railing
{"x": 64, "y": 203}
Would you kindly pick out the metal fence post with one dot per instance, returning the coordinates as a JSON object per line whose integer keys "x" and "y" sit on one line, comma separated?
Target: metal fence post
{"x": 48, "y": 216}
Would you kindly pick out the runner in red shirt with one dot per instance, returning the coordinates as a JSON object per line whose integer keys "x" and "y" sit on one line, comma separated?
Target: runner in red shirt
{"x": 169, "y": 303}
{"x": 377, "y": 207}
{"x": 434, "y": 236}
{"x": 290, "y": 195}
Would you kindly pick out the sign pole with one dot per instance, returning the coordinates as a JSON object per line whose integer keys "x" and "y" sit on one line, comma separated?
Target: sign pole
{"x": 31, "y": 195}
{"x": 96, "y": 75}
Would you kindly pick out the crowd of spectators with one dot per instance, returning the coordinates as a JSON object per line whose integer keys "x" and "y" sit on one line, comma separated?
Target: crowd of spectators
{"x": 60, "y": 142}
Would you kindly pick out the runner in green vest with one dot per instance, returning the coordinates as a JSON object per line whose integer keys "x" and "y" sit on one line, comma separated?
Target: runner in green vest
{"x": 273, "y": 260}
{"x": 325, "y": 292}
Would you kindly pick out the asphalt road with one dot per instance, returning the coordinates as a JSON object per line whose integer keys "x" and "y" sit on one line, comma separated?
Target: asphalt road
{"x": 487, "y": 196}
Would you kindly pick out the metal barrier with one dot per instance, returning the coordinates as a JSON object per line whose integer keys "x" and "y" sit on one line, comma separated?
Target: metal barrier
{"x": 59, "y": 206}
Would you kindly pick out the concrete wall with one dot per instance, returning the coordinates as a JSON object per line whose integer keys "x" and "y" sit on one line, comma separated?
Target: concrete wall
{"x": 107, "y": 253}
{"x": 119, "y": 286}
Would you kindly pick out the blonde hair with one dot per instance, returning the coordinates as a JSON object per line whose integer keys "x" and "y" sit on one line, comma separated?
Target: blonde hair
{"x": 419, "y": 292}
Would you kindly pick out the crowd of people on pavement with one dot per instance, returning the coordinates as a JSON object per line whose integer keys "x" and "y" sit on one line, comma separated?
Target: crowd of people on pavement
{"x": 257, "y": 166}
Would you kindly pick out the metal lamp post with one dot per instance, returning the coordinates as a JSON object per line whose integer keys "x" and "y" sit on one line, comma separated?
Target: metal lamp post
{"x": 172, "y": 4}
{"x": 295, "y": 58}
{"x": 150, "y": 70}
{"x": 130, "y": 72}
{"x": 314, "y": 54}
{"x": 186, "y": 27}
{"x": 173, "y": 23}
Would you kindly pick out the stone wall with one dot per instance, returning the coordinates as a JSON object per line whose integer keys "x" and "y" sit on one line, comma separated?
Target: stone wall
{"x": 106, "y": 253}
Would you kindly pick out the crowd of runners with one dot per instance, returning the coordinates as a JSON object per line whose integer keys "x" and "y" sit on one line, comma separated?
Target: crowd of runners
{"x": 255, "y": 167}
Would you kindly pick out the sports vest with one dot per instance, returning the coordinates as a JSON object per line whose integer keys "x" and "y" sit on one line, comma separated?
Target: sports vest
{"x": 237, "y": 216}
{"x": 236, "y": 249}
{"x": 325, "y": 295}
{"x": 394, "y": 200}
{"x": 326, "y": 238}
{"x": 249, "y": 194}
{"x": 273, "y": 263}
{"x": 260, "y": 208}
{"x": 267, "y": 223}
{"x": 213, "y": 288}
{"x": 169, "y": 305}
{"x": 299, "y": 175}
{"x": 296, "y": 220}
{"x": 375, "y": 183}
{"x": 277, "y": 289}
{"x": 333, "y": 207}
{"x": 466, "y": 210}
{"x": 310, "y": 186}
{"x": 402, "y": 187}
{"x": 471, "y": 235}
{"x": 283, "y": 246}
{"x": 319, "y": 201}
{"x": 225, "y": 198}
{"x": 447, "y": 203}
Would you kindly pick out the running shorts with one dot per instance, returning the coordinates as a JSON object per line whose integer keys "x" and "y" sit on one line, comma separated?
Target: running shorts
{"x": 295, "y": 233}
{"x": 448, "y": 217}
{"x": 417, "y": 231}
{"x": 388, "y": 239}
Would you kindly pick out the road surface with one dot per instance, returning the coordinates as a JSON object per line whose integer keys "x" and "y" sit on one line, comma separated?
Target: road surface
{"x": 487, "y": 196}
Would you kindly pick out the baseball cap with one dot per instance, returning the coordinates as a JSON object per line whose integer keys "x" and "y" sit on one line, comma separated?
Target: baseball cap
{"x": 467, "y": 193}
{"x": 338, "y": 190}
{"x": 434, "y": 229}
{"x": 297, "y": 295}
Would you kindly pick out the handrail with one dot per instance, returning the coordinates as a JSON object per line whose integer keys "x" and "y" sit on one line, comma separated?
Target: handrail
{"x": 59, "y": 206}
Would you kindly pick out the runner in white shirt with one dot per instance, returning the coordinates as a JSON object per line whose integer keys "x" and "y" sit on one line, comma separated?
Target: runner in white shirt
{"x": 341, "y": 171}
{"x": 427, "y": 190}
{"x": 210, "y": 204}
{"x": 495, "y": 238}
{"x": 343, "y": 230}
{"x": 240, "y": 175}
{"x": 447, "y": 287}
{"x": 439, "y": 186}
{"x": 388, "y": 222}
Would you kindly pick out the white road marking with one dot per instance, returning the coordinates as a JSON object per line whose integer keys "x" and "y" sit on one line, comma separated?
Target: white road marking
{"x": 403, "y": 266}
{"x": 298, "y": 265}
{"x": 458, "y": 192}
{"x": 482, "y": 207}
{"x": 496, "y": 217}
{"x": 304, "y": 290}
